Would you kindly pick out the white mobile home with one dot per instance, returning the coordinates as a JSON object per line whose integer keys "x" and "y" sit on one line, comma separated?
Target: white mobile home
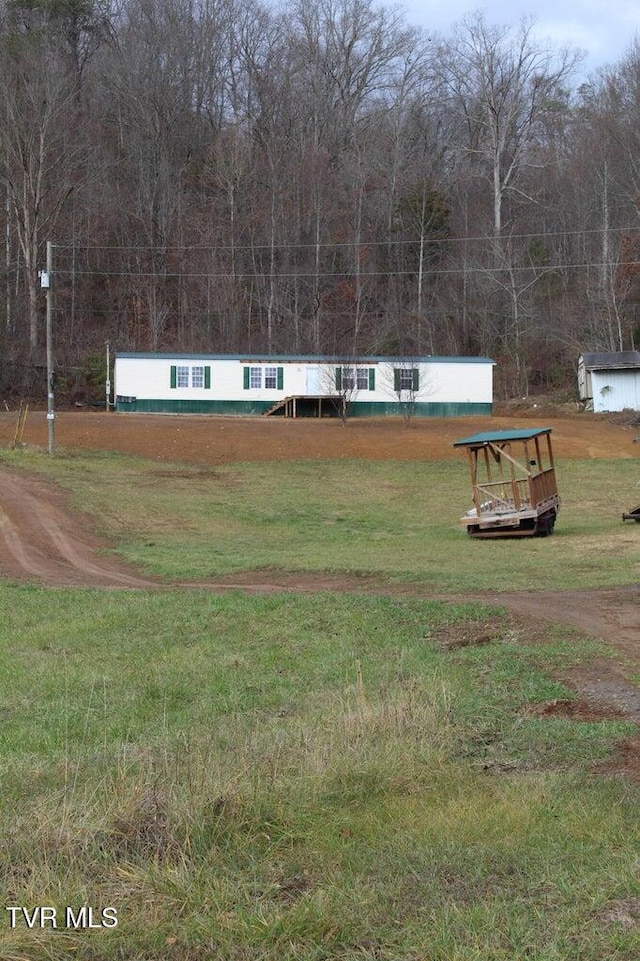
{"x": 303, "y": 386}
{"x": 610, "y": 381}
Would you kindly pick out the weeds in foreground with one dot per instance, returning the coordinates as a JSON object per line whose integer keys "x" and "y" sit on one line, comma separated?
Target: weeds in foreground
{"x": 302, "y": 777}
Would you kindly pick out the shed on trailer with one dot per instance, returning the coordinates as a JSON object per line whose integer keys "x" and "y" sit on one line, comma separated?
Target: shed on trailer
{"x": 513, "y": 483}
{"x": 295, "y": 386}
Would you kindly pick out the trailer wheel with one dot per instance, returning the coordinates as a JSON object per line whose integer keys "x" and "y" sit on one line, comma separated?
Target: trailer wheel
{"x": 546, "y": 524}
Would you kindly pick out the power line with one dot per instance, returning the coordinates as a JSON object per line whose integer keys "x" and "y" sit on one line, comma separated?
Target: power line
{"x": 349, "y": 244}
{"x": 350, "y": 274}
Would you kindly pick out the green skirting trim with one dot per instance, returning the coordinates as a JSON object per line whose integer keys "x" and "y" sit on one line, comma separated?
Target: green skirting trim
{"x": 420, "y": 409}
{"x": 145, "y": 406}
{"x": 248, "y": 408}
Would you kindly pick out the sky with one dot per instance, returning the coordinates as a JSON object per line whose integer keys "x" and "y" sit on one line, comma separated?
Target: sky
{"x": 603, "y": 29}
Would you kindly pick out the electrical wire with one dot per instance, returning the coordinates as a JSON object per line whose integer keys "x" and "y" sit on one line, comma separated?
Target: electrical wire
{"x": 340, "y": 275}
{"x": 338, "y": 245}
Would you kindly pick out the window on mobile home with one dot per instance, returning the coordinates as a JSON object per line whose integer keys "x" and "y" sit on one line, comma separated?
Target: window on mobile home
{"x": 406, "y": 378}
{"x": 271, "y": 377}
{"x": 355, "y": 378}
{"x": 198, "y": 376}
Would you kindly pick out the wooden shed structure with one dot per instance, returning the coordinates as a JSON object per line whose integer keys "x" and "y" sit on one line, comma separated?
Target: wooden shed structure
{"x": 513, "y": 483}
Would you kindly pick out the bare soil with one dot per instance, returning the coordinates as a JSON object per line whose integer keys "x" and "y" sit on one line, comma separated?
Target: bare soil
{"x": 220, "y": 440}
{"x": 42, "y": 541}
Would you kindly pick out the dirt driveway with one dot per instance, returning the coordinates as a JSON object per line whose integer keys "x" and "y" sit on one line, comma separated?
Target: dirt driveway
{"x": 41, "y": 540}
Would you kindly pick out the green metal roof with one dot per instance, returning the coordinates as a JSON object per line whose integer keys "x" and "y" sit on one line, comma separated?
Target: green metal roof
{"x": 501, "y": 436}
{"x": 307, "y": 358}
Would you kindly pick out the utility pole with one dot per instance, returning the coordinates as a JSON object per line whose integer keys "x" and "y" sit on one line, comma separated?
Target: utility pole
{"x": 7, "y": 257}
{"x": 107, "y": 385}
{"x": 46, "y": 281}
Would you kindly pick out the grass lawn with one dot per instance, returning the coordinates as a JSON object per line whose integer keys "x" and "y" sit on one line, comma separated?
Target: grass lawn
{"x": 395, "y": 520}
{"x": 302, "y": 777}
{"x": 289, "y": 778}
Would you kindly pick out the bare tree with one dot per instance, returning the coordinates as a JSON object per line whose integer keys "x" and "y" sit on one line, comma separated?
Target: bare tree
{"x": 352, "y": 58}
{"x": 42, "y": 148}
{"x": 504, "y": 87}
{"x": 502, "y": 84}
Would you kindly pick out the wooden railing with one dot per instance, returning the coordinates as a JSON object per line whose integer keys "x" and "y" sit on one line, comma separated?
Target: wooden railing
{"x": 501, "y": 495}
{"x": 509, "y": 495}
{"x": 543, "y": 486}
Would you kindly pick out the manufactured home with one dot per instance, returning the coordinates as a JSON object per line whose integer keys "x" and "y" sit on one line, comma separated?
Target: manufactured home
{"x": 610, "y": 381}
{"x": 303, "y": 386}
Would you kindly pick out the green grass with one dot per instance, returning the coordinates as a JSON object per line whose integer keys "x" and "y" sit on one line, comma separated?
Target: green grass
{"x": 398, "y": 521}
{"x": 291, "y": 777}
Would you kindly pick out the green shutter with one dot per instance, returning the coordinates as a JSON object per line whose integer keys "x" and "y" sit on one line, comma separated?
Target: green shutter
{"x": 396, "y": 379}
{"x": 372, "y": 378}
{"x": 280, "y": 378}
{"x": 415, "y": 373}
{"x": 174, "y": 378}
{"x": 207, "y": 378}
{"x": 246, "y": 378}
{"x": 338, "y": 378}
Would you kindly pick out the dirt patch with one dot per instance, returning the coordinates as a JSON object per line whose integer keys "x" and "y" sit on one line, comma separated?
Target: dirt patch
{"x": 222, "y": 440}
{"x": 607, "y": 687}
{"x": 455, "y": 638}
{"x": 626, "y": 763}
{"x": 40, "y": 540}
{"x": 625, "y": 912}
{"x": 578, "y": 710}
{"x": 612, "y": 614}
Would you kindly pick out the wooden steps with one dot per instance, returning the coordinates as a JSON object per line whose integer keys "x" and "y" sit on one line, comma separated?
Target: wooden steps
{"x": 305, "y": 405}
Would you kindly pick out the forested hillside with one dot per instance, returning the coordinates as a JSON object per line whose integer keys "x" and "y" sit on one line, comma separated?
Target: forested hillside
{"x": 315, "y": 177}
